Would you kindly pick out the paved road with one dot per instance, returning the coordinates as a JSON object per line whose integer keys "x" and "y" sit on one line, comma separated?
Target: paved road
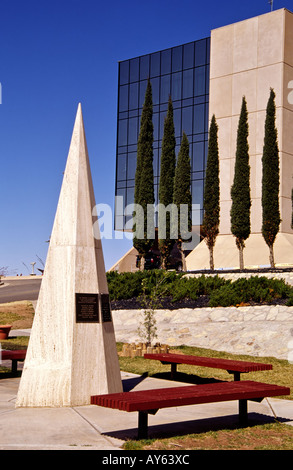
{"x": 22, "y": 289}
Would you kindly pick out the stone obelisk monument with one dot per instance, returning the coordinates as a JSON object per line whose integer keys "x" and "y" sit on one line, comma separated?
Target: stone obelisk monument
{"x": 72, "y": 350}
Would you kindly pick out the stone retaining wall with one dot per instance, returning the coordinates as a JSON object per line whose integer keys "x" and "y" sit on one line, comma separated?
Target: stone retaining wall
{"x": 256, "y": 331}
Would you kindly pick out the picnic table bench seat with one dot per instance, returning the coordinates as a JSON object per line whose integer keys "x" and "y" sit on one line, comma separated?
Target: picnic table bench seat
{"x": 150, "y": 401}
{"x": 15, "y": 356}
{"x": 232, "y": 366}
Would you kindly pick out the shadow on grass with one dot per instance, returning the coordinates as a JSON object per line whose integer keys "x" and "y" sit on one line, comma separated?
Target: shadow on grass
{"x": 196, "y": 426}
{"x": 185, "y": 378}
{"x": 7, "y": 374}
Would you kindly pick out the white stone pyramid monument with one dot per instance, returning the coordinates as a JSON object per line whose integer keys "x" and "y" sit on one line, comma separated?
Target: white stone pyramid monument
{"x": 72, "y": 349}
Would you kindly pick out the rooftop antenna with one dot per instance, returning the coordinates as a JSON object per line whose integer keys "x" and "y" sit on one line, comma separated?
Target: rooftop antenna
{"x": 271, "y": 2}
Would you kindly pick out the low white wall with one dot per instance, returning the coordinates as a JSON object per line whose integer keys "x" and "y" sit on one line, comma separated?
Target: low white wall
{"x": 256, "y": 331}
{"x": 287, "y": 276}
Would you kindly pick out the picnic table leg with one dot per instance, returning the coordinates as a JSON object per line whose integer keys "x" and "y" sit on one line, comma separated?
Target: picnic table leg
{"x": 236, "y": 375}
{"x": 142, "y": 425}
{"x": 173, "y": 370}
{"x": 14, "y": 366}
{"x": 243, "y": 412}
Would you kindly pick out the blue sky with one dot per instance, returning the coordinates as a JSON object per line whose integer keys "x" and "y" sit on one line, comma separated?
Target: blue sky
{"x": 55, "y": 54}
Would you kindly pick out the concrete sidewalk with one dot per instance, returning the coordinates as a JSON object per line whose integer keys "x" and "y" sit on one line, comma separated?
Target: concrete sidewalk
{"x": 97, "y": 428}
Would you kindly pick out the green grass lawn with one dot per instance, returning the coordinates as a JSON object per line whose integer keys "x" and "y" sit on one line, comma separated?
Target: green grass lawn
{"x": 282, "y": 373}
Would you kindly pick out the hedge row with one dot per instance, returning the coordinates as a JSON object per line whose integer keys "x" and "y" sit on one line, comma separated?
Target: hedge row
{"x": 220, "y": 292}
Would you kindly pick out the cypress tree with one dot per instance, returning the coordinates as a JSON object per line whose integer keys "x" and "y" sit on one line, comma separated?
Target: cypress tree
{"x": 144, "y": 176}
{"x": 211, "y": 219}
{"x": 240, "y": 191}
{"x": 270, "y": 179}
{"x": 182, "y": 193}
{"x": 167, "y": 172}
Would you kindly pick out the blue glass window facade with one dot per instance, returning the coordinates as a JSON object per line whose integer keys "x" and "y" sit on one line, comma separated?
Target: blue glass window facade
{"x": 183, "y": 73}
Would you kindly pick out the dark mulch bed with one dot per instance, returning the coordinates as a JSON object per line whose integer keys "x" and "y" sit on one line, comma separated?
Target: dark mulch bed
{"x": 167, "y": 304}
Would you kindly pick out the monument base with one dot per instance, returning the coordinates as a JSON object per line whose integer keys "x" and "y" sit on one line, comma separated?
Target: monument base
{"x": 53, "y": 388}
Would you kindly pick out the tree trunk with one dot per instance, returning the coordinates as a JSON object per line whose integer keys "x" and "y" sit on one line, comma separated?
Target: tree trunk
{"x": 141, "y": 265}
{"x": 272, "y": 260}
{"x": 241, "y": 260}
{"x": 212, "y": 267}
{"x": 183, "y": 262}
{"x": 181, "y": 251}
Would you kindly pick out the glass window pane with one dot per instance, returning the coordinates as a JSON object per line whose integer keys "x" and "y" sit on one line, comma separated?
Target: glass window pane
{"x": 176, "y": 86}
{"x": 187, "y": 83}
{"x": 156, "y": 125}
{"x": 187, "y": 102}
{"x": 132, "y": 131}
{"x": 199, "y": 99}
{"x": 198, "y": 137}
{"x": 121, "y": 167}
{"x": 133, "y": 96}
{"x": 122, "y": 132}
{"x": 206, "y": 117}
{"x": 199, "y": 118}
{"x": 188, "y": 55}
{"x": 123, "y": 115}
{"x": 132, "y": 113}
{"x": 208, "y": 45}
{"x": 162, "y": 119}
{"x": 207, "y": 79}
{"x": 131, "y": 165}
{"x": 134, "y": 67}
{"x": 177, "y": 121}
{"x": 166, "y": 61}
{"x": 197, "y": 192}
{"x": 165, "y": 88}
{"x": 130, "y": 196}
{"x": 155, "y": 64}
{"x": 156, "y": 162}
{"x": 121, "y": 184}
{"x": 206, "y": 144}
{"x": 119, "y": 209}
{"x": 144, "y": 71}
{"x": 156, "y": 90}
{"x": 200, "y": 81}
{"x": 124, "y": 72}
{"x": 177, "y": 59}
{"x": 198, "y": 156}
{"x": 200, "y": 52}
{"x": 121, "y": 193}
{"x": 123, "y": 98}
{"x": 187, "y": 120}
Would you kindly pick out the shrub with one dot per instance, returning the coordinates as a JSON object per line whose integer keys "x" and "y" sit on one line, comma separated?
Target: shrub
{"x": 192, "y": 288}
{"x": 221, "y": 292}
{"x": 255, "y": 289}
{"x": 129, "y": 285}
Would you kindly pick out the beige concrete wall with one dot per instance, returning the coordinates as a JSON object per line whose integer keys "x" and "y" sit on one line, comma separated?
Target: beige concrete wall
{"x": 127, "y": 263}
{"x": 247, "y": 59}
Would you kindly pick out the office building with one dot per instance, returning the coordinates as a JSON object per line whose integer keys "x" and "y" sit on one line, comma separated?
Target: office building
{"x": 242, "y": 59}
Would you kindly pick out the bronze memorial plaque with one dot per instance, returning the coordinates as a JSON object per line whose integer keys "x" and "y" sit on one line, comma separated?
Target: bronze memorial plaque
{"x": 105, "y": 308}
{"x": 87, "y": 308}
